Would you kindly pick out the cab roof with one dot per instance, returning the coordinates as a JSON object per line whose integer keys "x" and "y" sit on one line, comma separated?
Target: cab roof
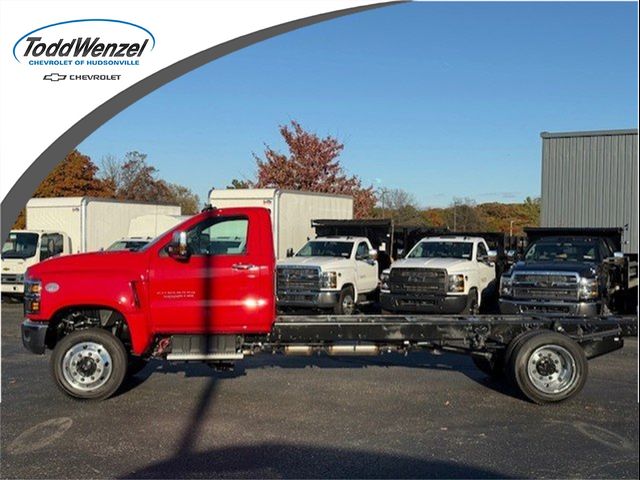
{"x": 452, "y": 238}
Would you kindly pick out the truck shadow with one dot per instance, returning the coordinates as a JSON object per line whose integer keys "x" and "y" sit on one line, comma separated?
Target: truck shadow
{"x": 281, "y": 460}
{"x": 422, "y": 360}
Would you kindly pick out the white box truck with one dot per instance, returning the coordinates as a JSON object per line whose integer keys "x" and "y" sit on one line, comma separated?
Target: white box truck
{"x": 60, "y": 226}
{"x": 291, "y": 211}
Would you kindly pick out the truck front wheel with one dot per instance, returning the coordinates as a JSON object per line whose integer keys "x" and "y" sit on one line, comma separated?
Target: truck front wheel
{"x": 346, "y": 302}
{"x": 89, "y": 364}
{"x": 549, "y": 367}
{"x": 472, "y": 307}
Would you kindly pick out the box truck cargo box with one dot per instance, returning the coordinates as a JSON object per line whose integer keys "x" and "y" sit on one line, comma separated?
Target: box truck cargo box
{"x": 291, "y": 211}
{"x": 150, "y": 226}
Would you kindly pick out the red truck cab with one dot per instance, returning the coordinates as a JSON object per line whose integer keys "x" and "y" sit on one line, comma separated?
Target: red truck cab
{"x": 212, "y": 274}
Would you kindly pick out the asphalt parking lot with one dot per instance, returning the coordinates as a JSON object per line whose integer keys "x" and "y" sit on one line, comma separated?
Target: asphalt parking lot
{"x": 389, "y": 416}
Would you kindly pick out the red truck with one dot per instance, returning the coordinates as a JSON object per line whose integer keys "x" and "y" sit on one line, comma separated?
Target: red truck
{"x": 204, "y": 291}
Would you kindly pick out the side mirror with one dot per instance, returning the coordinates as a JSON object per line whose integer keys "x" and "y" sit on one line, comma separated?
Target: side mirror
{"x": 492, "y": 256}
{"x": 618, "y": 255}
{"x": 178, "y": 247}
{"x": 373, "y": 253}
{"x": 289, "y": 252}
{"x": 511, "y": 255}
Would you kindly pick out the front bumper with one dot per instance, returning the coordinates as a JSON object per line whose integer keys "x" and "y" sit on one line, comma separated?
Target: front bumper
{"x": 446, "y": 304}
{"x": 13, "y": 288}
{"x": 33, "y": 336}
{"x": 515, "y": 307}
{"x": 322, "y": 299}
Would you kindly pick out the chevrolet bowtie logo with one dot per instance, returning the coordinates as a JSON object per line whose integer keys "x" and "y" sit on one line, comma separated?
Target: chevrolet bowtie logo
{"x": 54, "y": 77}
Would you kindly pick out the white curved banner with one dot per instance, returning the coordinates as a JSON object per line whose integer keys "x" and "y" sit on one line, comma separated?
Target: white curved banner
{"x": 61, "y": 60}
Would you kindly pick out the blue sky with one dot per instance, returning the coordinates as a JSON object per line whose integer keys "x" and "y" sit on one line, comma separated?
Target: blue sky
{"x": 441, "y": 99}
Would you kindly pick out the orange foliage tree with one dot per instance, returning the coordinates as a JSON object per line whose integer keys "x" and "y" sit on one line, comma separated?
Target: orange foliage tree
{"x": 312, "y": 165}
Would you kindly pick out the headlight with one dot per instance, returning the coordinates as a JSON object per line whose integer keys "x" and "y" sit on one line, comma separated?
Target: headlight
{"x": 588, "y": 288}
{"x": 456, "y": 283}
{"x": 384, "y": 281}
{"x": 329, "y": 279}
{"x": 32, "y": 289}
{"x": 505, "y": 286}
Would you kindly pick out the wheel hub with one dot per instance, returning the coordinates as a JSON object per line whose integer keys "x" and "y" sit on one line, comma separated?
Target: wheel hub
{"x": 552, "y": 369}
{"x": 86, "y": 366}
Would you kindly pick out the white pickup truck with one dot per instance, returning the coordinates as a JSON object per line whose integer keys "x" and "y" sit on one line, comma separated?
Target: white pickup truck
{"x": 336, "y": 273}
{"x": 447, "y": 275}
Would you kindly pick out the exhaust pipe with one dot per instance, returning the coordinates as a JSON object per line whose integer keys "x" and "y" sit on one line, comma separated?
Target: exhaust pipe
{"x": 353, "y": 350}
{"x": 304, "y": 350}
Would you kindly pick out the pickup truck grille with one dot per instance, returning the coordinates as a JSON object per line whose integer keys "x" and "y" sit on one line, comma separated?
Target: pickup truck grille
{"x": 11, "y": 278}
{"x": 418, "y": 281}
{"x": 297, "y": 279}
{"x": 545, "y": 286}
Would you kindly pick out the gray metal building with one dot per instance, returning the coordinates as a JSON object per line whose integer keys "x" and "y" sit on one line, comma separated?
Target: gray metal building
{"x": 590, "y": 179}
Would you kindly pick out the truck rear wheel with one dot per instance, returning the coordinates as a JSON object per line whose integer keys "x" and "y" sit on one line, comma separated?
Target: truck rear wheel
{"x": 548, "y": 367}
{"x": 89, "y": 364}
{"x": 346, "y": 302}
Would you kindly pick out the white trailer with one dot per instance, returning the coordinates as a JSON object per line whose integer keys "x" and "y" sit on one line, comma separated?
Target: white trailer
{"x": 61, "y": 226}
{"x": 152, "y": 225}
{"x": 291, "y": 211}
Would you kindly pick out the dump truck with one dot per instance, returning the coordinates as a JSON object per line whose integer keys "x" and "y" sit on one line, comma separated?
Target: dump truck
{"x": 204, "y": 292}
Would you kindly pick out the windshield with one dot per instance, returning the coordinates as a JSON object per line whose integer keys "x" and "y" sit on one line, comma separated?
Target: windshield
{"x": 326, "y": 248}
{"x": 20, "y": 245}
{"x": 563, "y": 251}
{"x": 462, "y": 250}
{"x": 133, "y": 245}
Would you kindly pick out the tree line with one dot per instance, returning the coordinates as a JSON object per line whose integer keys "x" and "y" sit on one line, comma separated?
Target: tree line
{"x": 312, "y": 163}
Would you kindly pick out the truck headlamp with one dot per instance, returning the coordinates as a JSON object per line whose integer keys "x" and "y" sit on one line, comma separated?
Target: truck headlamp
{"x": 384, "y": 281}
{"x": 456, "y": 283}
{"x": 588, "y": 288}
{"x": 329, "y": 279}
{"x": 505, "y": 286}
{"x": 32, "y": 289}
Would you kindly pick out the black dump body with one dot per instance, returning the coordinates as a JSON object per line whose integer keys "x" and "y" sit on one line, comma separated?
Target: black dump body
{"x": 613, "y": 236}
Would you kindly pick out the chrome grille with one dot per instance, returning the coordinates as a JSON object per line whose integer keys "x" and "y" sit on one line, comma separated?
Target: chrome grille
{"x": 11, "y": 278}
{"x": 545, "y": 286}
{"x": 297, "y": 279}
{"x": 418, "y": 280}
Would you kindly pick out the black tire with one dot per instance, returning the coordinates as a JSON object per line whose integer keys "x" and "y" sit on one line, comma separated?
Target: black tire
{"x": 492, "y": 367}
{"x": 346, "y": 302}
{"x": 511, "y": 348}
{"x": 549, "y": 367}
{"x": 112, "y": 364}
{"x": 472, "y": 307}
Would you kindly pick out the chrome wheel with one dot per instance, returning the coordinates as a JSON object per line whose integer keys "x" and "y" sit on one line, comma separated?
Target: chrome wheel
{"x": 86, "y": 366}
{"x": 552, "y": 369}
{"x": 348, "y": 304}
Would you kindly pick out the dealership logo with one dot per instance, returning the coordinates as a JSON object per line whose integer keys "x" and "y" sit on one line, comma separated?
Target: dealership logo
{"x": 84, "y": 43}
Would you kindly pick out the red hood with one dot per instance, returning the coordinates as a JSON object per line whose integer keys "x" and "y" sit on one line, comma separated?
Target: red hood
{"x": 95, "y": 262}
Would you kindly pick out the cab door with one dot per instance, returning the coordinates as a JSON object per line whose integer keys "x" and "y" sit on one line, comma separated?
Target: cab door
{"x": 486, "y": 269}
{"x": 366, "y": 268}
{"x": 213, "y": 290}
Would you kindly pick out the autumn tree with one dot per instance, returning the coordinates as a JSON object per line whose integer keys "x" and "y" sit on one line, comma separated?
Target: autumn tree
{"x": 134, "y": 179}
{"x": 399, "y": 205}
{"x": 74, "y": 176}
{"x": 312, "y": 164}
{"x": 239, "y": 184}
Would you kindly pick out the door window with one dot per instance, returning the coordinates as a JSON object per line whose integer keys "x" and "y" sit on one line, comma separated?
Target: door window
{"x": 51, "y": 244}
{"x": 219, "y": 236}
{"x": 482, "y": 254}
{"x": 362, "y": 253}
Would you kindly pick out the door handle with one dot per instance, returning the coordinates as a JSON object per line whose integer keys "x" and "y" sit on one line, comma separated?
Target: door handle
{"x": 243, "y": 266}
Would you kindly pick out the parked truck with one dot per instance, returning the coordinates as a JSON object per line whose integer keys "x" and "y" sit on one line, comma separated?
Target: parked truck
{"x": 442, "y": 274}
{"x": 145, "y": 228}
{"x": 571, "y": 271}
{"x": 291, "y": 211}
{"x": 60, "y": 226}
{"x": 204, "y": 291}
{"x": 335, "y": 273}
